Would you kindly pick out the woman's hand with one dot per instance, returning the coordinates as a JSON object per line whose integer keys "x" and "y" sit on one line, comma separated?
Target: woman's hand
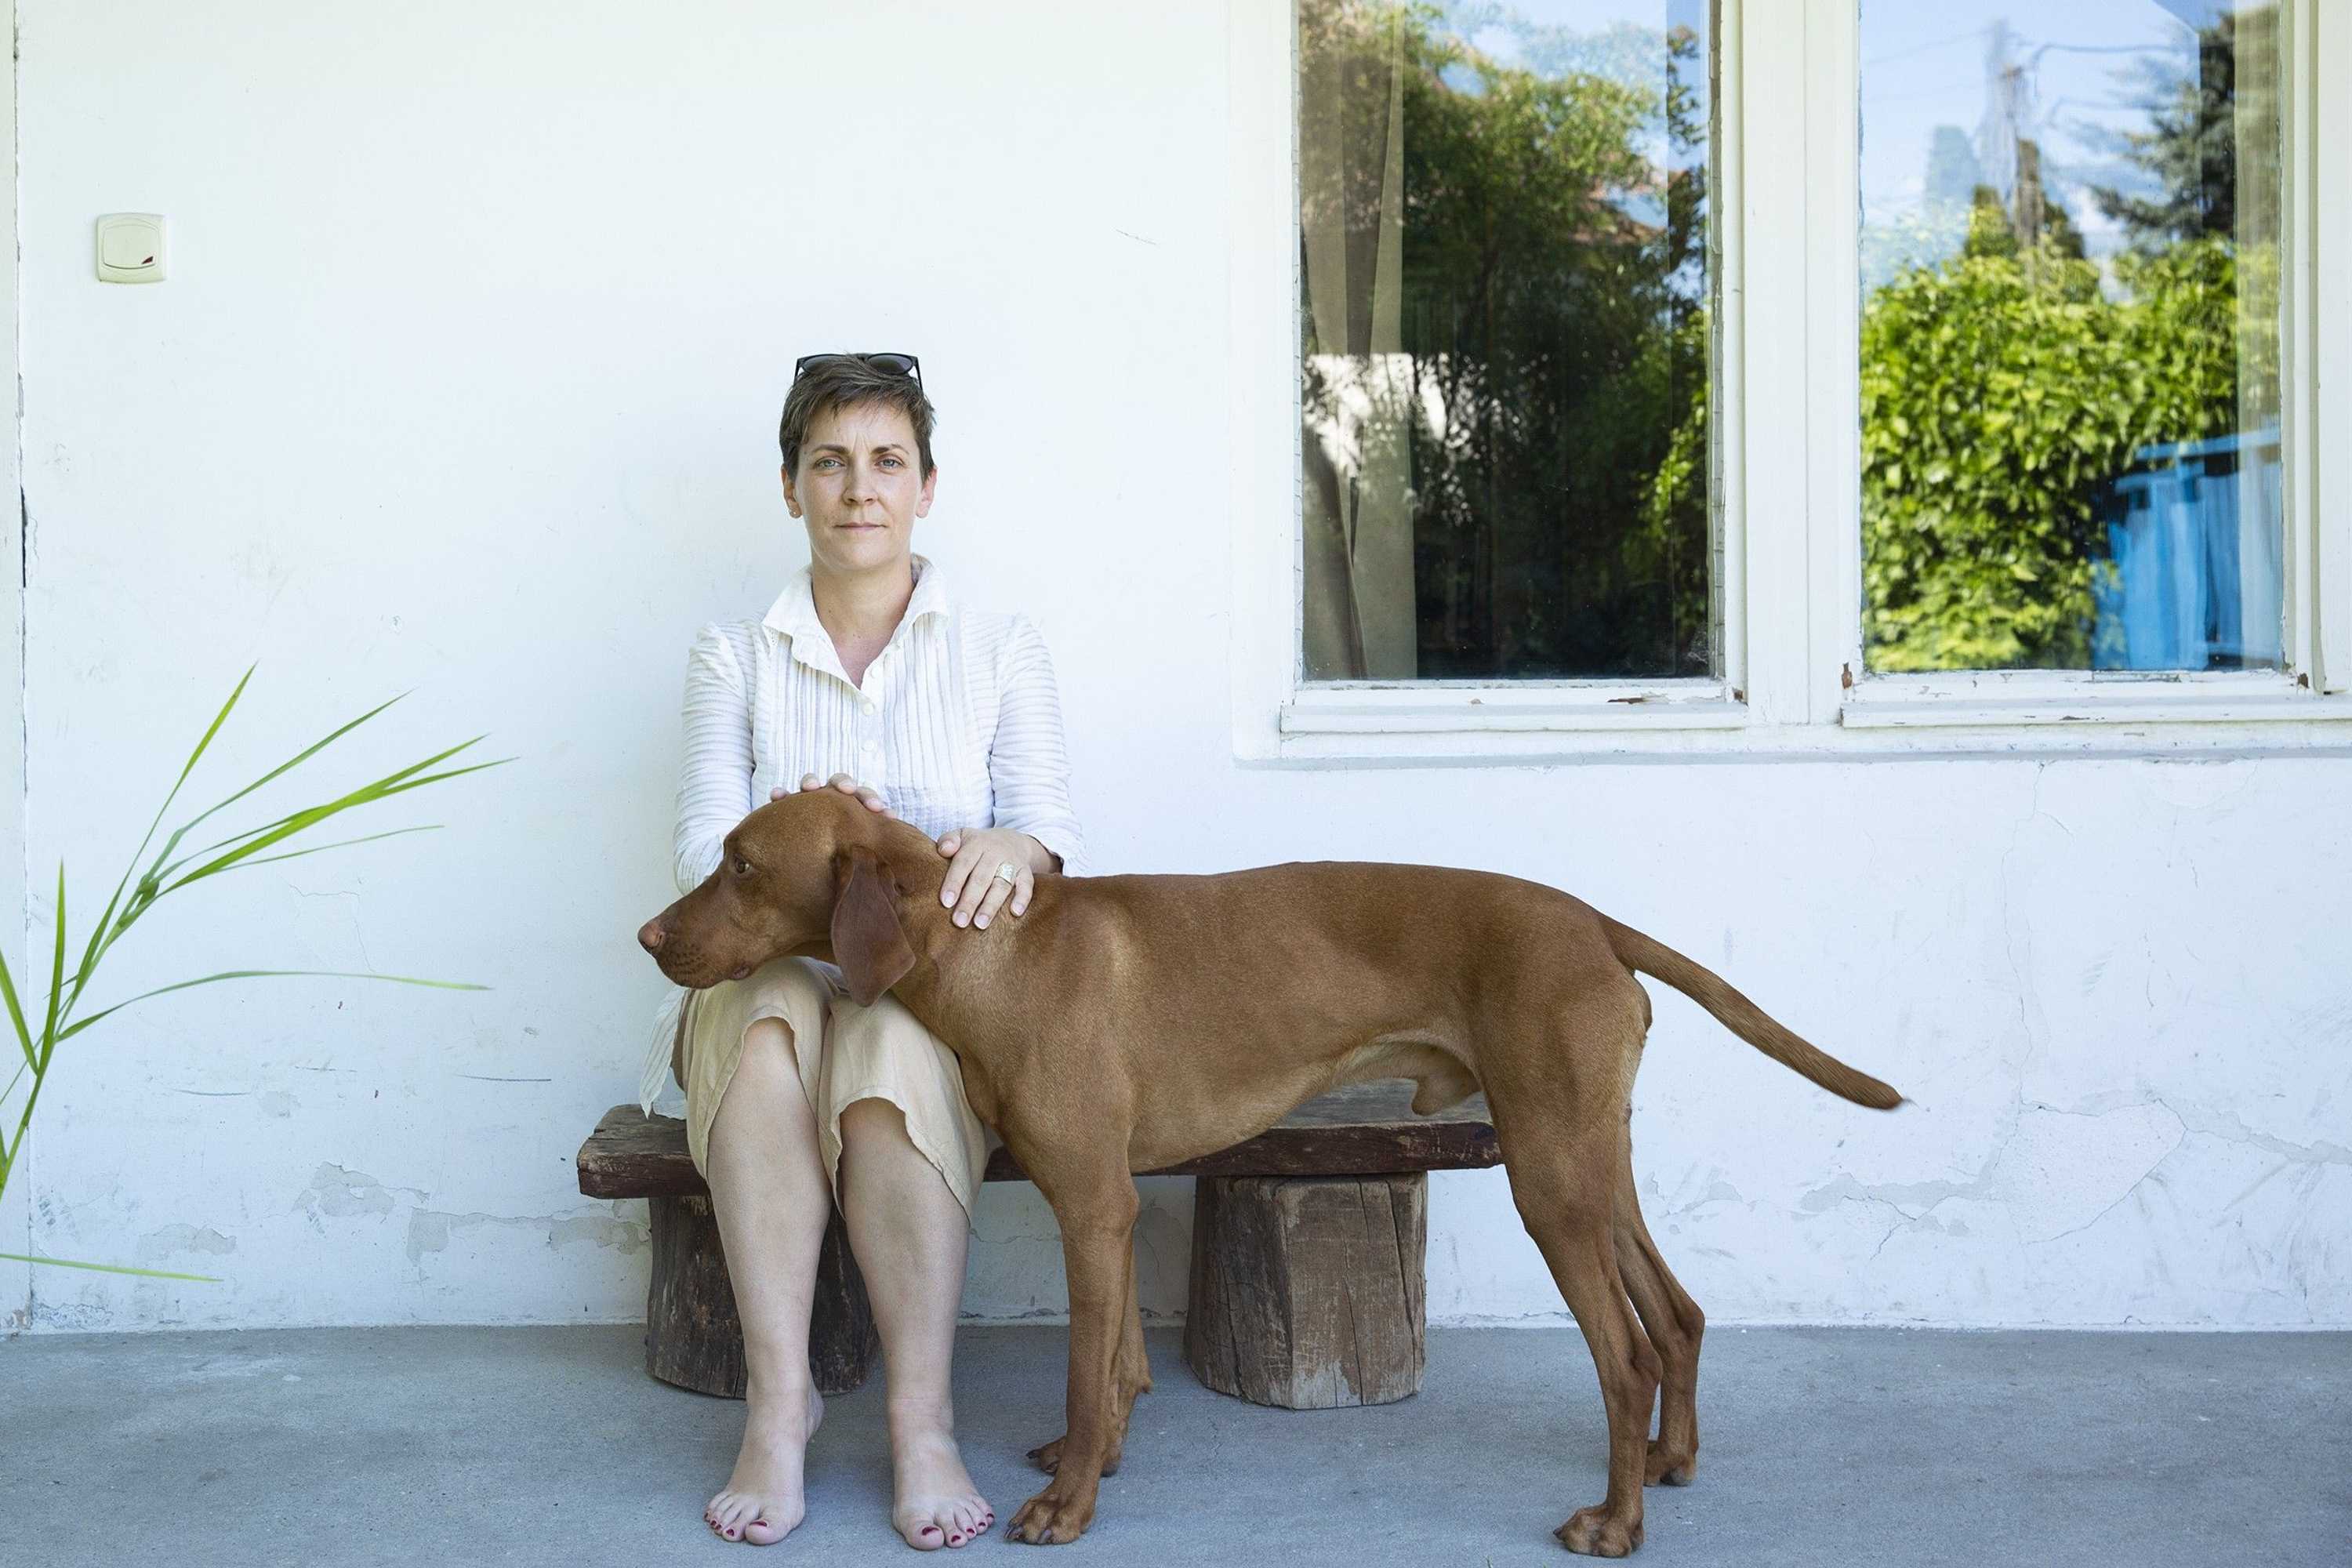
{"x": 870, "y": 797}
{"x": 972, "y": 888}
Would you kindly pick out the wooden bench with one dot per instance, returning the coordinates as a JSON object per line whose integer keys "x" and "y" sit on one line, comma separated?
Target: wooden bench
{"x": 1308, "y": 1283}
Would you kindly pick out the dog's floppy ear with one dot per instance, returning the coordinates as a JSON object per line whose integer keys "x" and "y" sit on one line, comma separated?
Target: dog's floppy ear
{"x": 867, "y": 942}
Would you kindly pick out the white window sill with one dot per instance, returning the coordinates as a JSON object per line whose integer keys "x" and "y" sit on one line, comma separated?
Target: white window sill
{"x": 1697, "y": 720}
{"x": 1533, "y": 707}
{"x": 2106, "y": 710}
{"x": 2031, "y": 698}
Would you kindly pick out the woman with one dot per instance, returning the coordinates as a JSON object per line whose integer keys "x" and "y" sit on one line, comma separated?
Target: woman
{"x": 867, "y": 677}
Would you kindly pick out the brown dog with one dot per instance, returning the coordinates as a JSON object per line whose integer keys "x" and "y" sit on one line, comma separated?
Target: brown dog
{"x": 1128, "y": 1023}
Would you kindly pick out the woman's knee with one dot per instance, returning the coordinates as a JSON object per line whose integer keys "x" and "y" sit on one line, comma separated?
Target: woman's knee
{"x": 765, "y": 1098}
{"x": 788, "y": 979}
{"x": 782, "y": 990}
{"x": 871, "y": 1122}
{"x": 771, "y": 1048}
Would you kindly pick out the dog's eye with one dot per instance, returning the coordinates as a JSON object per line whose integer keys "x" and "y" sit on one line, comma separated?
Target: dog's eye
{"x": 743, "y": 866}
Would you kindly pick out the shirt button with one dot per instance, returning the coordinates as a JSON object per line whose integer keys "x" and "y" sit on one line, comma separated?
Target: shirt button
{"x": 871, "y": 706}
{"x": 872, "y": 746}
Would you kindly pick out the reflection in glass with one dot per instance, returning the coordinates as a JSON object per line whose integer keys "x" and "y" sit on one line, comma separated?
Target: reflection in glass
{"x": 2070, "y": 348}
{"x": 1504, "y": 270}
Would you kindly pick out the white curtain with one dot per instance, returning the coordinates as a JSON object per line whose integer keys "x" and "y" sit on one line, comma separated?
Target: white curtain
{"x": 1360, "y": 620}
{"x": 2256, "y": 100}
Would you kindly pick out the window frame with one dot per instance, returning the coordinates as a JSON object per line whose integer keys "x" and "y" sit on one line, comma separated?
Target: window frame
{"x": 1786, "y": 480}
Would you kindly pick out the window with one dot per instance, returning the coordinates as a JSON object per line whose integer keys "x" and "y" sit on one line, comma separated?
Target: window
{"x": 1809, "y": 377}
{"x": 1504, "y": 357}
{"x": 2071, "y": 446}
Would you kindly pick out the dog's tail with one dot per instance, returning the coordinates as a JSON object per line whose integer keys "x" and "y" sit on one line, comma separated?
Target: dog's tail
{"x": 1745, "y": 1018}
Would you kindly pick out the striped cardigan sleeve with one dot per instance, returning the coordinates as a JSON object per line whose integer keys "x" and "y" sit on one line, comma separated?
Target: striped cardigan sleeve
{"x": 1028, "y": 763}
{"x": 714, "y": 780}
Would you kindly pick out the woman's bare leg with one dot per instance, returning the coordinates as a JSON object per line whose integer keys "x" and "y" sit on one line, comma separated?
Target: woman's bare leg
{"x": 908, "y": 1231}
{"x": 768, "y": 1190}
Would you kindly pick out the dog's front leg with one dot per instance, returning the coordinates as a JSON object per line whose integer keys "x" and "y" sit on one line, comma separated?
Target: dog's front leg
{"x": 1130, "y": 1378}
{"x": 1098, "y": 1255}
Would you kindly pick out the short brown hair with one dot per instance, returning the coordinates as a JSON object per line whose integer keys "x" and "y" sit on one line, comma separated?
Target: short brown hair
{"x": 846, "y": 381}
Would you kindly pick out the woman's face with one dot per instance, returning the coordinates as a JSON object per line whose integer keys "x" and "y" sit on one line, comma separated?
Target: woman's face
{"x": 860, "y": 487}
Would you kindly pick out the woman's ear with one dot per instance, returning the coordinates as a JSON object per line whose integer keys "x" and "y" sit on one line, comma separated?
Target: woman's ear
{"x": 867, "y": 941}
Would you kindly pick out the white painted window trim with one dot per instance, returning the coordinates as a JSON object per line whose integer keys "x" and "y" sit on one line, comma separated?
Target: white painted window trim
{"x": 2316, "y": 536}
{"x": 1787, "y": 495}
{"x": 2318, "y": 408}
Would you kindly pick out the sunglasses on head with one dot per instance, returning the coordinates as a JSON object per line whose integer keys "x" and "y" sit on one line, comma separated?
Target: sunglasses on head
{"x": 895, "y": 364}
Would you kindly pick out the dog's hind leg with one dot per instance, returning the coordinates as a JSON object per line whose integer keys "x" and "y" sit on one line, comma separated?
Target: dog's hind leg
{"x": 1562, "y": 1179}
{"x": 1674, "y": 1325}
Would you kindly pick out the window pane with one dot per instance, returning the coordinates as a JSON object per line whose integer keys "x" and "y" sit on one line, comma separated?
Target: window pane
{"x": 1505, "y": 276}
{"x": 2070, "y": 347}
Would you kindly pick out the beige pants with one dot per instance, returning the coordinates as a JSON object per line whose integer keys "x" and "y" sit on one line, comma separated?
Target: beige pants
{"x": 847, "y": 1053}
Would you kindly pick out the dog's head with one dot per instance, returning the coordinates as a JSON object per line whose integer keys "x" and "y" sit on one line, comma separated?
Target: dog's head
{"x": 807, "y": 874}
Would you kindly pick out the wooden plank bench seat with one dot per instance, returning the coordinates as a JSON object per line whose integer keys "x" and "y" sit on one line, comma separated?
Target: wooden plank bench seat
{"x": 1308, "y": 1282}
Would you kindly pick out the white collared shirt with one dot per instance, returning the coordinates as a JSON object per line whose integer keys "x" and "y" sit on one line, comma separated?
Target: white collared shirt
{"x": 957, "y": 722}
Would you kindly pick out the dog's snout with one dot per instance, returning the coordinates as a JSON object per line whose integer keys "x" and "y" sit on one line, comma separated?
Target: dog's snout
{"x": 650, "y": 934}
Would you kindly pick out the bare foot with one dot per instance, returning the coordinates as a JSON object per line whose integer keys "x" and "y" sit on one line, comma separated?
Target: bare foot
{"x": 933, "y": 1502}
{"x": 763, "y": 1500}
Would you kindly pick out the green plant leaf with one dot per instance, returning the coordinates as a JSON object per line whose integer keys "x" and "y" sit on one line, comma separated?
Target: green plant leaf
{"x": 338, "y": 844}
{"x": 305, "y": 755}
{"x": 15, "y": 1010}
{"x": 159, "y": 870}
{"x": 286, "y": 827}
{"x": 265, "y": 974}
{"x": 109, "y": 928}
{"x": 120, "y": 915}
{"x": 110, "y": 1268}
{"x": 98, "y": 934}
{"x": 56, "y": 980}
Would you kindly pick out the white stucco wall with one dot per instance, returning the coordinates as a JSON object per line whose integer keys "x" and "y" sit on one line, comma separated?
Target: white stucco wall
{"x": 464, "y": 385}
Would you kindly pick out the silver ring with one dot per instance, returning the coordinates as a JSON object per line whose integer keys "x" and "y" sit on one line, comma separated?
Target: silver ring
{"x": 1006, "y": 873}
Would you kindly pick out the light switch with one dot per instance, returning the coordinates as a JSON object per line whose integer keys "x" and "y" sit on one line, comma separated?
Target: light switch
{"x": 131, "y": 247}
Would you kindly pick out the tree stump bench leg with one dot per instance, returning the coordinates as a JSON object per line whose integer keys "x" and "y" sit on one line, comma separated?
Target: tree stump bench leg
{"x": 1309, "y": 1292}
{"x": 693, "y": 1338}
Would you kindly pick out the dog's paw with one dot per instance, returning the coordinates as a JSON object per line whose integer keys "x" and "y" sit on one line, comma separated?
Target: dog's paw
{"x": 1048, "y": 1520}
{"x": 1664, "y": 1468}
{"x": 1592, "y": 1532}
{"x": 1048, "y": 1458}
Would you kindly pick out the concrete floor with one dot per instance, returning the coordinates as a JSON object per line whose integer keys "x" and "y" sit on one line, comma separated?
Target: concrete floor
{"x": 323, "y": 1447}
